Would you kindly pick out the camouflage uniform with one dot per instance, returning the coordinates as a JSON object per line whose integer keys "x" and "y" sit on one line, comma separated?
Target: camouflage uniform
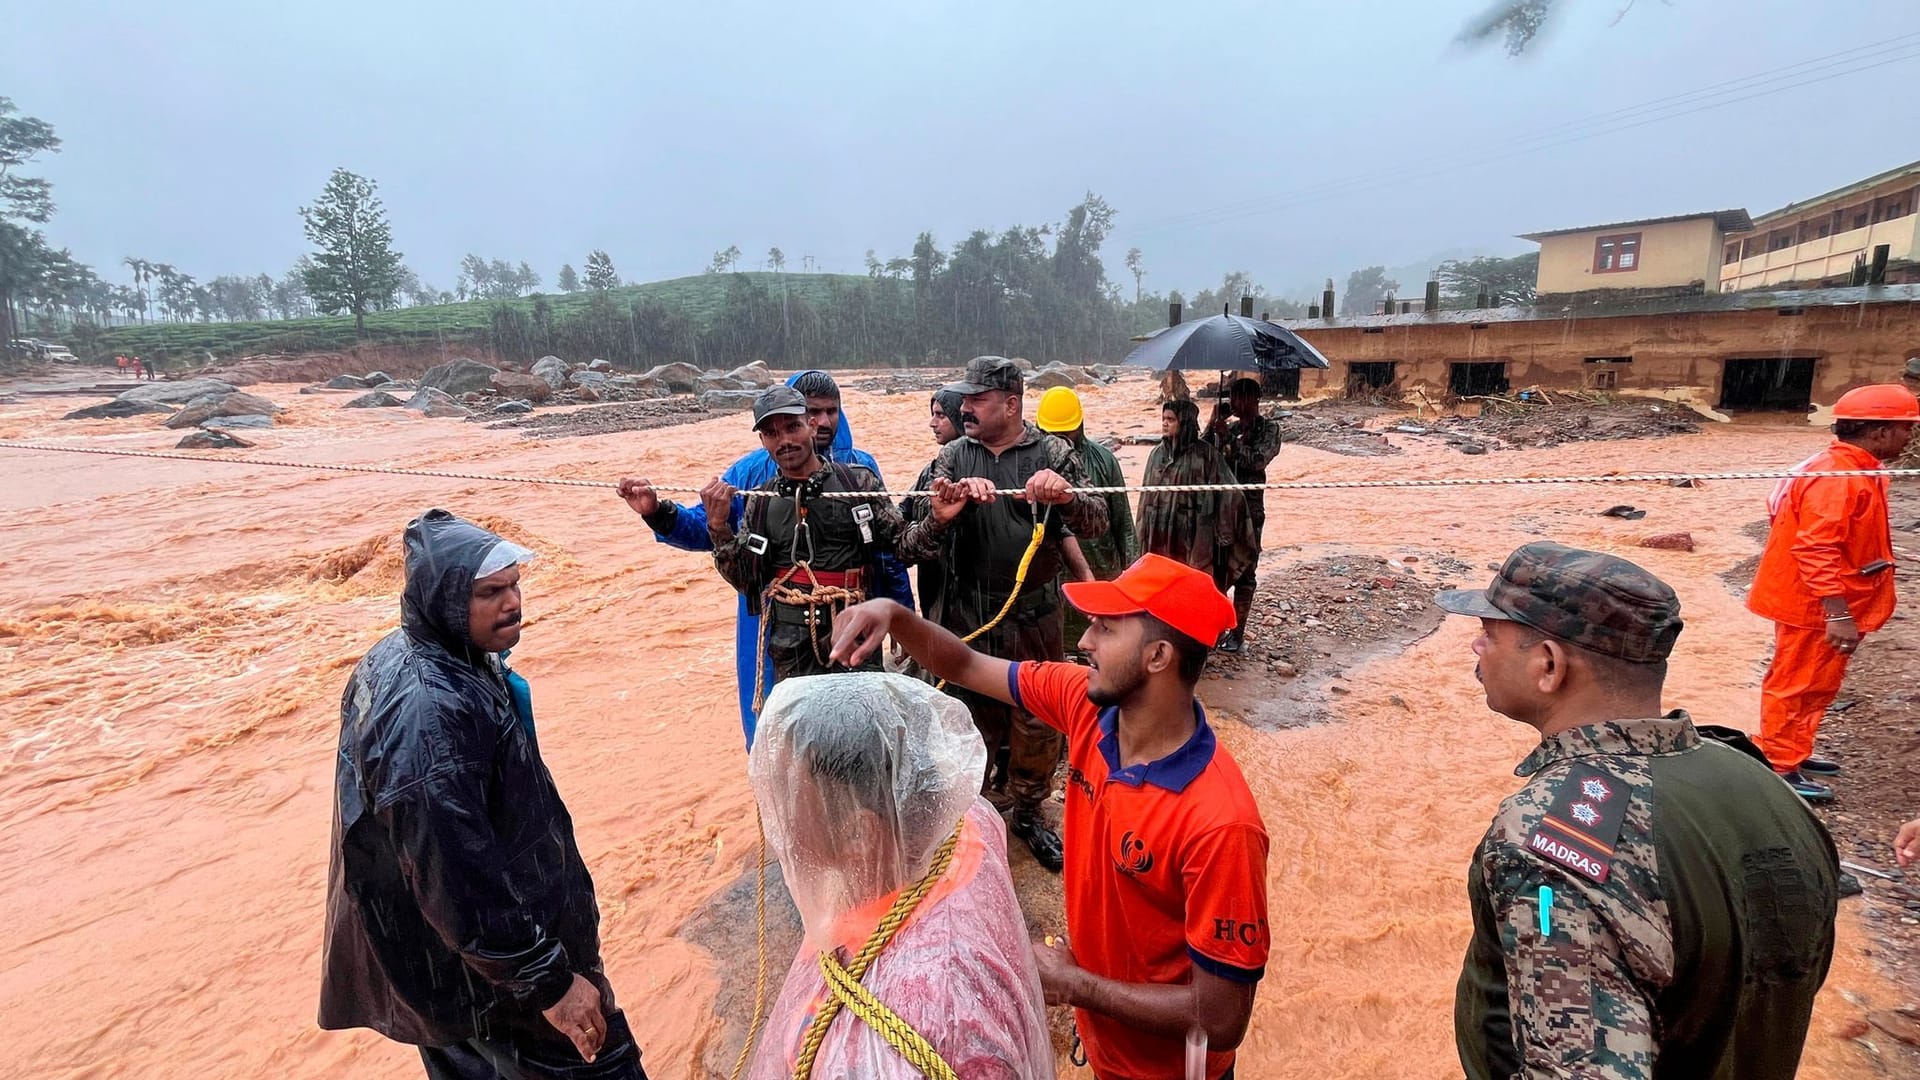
{"x": 1689, "y": 894}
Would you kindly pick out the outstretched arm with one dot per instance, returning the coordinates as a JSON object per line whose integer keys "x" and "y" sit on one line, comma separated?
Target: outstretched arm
{"x": 860, "y": 630}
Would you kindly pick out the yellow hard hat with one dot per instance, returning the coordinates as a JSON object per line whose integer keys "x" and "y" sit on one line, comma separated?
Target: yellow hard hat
{"x": 1059, "y": 411}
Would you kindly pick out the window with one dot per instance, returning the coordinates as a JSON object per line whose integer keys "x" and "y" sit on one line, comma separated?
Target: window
{"x": 1770, "y": 384}
{"x": 1609, "y": 359}
{"x": 1604, "y": 379}
{"x": 1616, "y": 254}
{"x": 1732, "y": 254}
{"x": 1779, "y": 241}
{"x": 1825, "y": 230}
{"x": 1895, "y": 209}
{"x": 1475, "y": 379}
{"x": 1365, "y": 378}
{"x": 1860, "y": 220}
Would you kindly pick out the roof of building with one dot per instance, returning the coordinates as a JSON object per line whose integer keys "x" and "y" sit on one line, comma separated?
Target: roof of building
{"x": 1751, "y": 300}
{"x": 1839, "y": 194}
{"x": 1725, "y": 220}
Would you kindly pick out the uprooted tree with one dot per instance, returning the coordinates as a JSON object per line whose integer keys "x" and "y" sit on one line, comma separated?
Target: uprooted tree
{"x": 354, "y": 266}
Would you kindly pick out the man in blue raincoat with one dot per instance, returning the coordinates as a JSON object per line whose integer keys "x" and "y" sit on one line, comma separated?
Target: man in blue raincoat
{"x": 685, "y": 527}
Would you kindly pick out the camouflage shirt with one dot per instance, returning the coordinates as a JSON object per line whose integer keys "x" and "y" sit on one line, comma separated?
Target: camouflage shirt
{"x": 1681, "y": 937}
{"x": 1248, "y": 446}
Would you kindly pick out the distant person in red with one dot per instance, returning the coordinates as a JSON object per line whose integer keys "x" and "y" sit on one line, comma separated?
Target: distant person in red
{"x": 122, "y": 361}
{"x": 1166, "y": 854}
{"x": 136, "y": 367}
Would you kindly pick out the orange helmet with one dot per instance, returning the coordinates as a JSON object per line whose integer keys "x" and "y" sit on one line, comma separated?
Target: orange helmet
{"x": 1881, "y": 401}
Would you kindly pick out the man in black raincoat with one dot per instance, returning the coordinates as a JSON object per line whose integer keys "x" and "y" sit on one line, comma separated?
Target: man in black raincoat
{"x": 460, "y": 916}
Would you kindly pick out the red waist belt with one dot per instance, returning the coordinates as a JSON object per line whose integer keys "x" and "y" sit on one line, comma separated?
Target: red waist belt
{"x": 833, "y": 579}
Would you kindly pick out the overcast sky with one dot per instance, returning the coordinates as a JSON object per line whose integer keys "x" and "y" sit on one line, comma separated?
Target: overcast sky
{"x": 1292, "y": 140}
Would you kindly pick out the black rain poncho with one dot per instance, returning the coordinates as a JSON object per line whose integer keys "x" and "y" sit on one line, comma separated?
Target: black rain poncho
{"x": 457, "y": 903}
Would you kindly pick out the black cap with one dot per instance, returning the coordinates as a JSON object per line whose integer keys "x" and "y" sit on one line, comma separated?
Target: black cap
{"x": 779, "y": 400}
{"x": 986, "y": 373}
{"x": 1599, "y": 602}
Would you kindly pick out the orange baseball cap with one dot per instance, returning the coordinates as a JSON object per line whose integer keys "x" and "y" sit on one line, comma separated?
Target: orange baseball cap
{"x": 1881, "y": 401}
{"x": 1174, "y": 593}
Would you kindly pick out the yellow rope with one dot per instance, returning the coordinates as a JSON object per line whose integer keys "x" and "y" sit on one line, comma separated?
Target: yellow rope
{"x": 899, "y": 1034}
{"x": 1019, "y": 580}
{"x": 883, "y": 1021}
{"x": 760, "y": 944}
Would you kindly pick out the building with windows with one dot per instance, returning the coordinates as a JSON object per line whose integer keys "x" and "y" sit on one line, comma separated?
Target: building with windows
{"x": 1651, "y": 257}
{"x": 1819, "y": 241}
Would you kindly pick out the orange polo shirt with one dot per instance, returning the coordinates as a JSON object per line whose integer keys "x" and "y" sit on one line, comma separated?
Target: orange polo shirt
{"x": 1166, "y": 867}
{"x": 1825, "y": 529}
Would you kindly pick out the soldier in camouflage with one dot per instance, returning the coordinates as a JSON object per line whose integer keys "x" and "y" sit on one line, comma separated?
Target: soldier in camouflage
{"x": 1654, "y": 902}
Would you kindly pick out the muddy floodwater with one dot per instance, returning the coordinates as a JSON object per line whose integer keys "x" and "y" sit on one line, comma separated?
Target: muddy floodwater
{"x": 174, "y": 637}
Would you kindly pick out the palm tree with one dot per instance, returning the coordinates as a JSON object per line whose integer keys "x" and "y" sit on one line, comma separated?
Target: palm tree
{"x": 142, "y": 273}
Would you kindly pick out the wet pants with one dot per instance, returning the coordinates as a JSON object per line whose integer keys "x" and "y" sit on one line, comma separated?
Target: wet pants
{"x": 1021, "y": 751}
{"x": 550, "y": 1056}
{"x": 1802, "y": 681}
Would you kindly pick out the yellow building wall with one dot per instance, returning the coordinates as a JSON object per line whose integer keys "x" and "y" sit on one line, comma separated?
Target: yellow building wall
{"x": 1673, "y": 253}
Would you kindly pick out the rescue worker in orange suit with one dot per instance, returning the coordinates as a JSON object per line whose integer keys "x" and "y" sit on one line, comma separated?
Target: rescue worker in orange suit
{"x": 1826, "y": 576}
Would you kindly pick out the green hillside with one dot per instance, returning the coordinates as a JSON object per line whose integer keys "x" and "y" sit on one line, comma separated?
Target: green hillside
{"x": 698, "y": 298}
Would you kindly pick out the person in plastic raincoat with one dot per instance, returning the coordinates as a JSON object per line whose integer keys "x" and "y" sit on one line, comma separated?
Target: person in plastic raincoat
{"x": 860, "y": 779}
{"x": 460, "y": 916}
{"x": 685, "y": 527}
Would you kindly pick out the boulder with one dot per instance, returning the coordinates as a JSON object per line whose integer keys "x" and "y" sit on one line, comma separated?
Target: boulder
{"x": 724, "y": 382}
{"x": 633, "y": 386}
{"x": 177, "y": 393}
{"x": 348, "y": 382}
{"x": 529, "y": 387}
{"x": 432, "y": 402}
{"x": 553, "y": 369}
{"x": 728, "y": 400}
{"x": 212, "y": 440}
{"x": 1673, "y": 541}
{"x": 587, "y": 392}
{"x": 462, "y": 375}
{"x": 216, "y": 423}
{"x": 1051, "y": 376}
{"x": 597, "y": 364}
{"x": 678, "y": 377}
{"x": 755, "y": 374}
{"x": 118, "y": 408}
{"x": 595, "y": 379}
{"x": 376, "y": 378}
{"x": 512, "y": 408}
{"x": 236, "y": 403}
{"x": 1025, "y": 365}
{"x": 379, "y": 399}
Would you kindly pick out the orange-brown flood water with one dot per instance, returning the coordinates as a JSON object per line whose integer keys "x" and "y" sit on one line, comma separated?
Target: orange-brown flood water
{"x": 174, "y": 637}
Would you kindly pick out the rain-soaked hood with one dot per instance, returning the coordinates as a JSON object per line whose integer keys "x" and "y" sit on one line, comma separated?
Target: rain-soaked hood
{"x": 444, "y": 555}
{"x": 843, "y": 436}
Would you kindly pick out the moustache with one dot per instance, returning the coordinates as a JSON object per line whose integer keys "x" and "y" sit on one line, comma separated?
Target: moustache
{"x": 511, "y": 620}
{"x": 970, "y": 418}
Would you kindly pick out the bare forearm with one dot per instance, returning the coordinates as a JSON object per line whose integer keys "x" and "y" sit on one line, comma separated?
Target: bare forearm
{"x": 942, "y": 653}
{"x": 1168, "y": 1009}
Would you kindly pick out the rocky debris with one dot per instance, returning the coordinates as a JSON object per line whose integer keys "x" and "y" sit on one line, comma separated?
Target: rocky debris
{"x": 728, "y": 400}
{"x": 681, "y": 378}
{"x": 1624, "y": 512}
{"x": 756, "y": 374}
{"x": 177, "y": 393}
{"x": 436, "y": 403}
{"x": 531, "y": 388}
{"x": 347, "y": 382}
{"x": 216, "y": 423}
{"x": 608, "y": 419}
{"x": 712, "y": 381}
{"x": 597, "y": 364}
{"x": 460, "y": 375}
{"x": 212, "y": 440}
{"x": 1329, "y": 430}
{"x": 117, "y": 409}
{"x": 232, "y": 403}
{"x": 1468, "y": 446}
{"x": 1673, "y": 541}
{"x": 1545, "y": 419}
{"x": 905, "y": 382}
{"x": 512, "y": 408}
{"x": 553, "y": 369}
{"x": 379, "y": 399}
{"x": 586, "y": 392}
{"x": 595, "y": 379}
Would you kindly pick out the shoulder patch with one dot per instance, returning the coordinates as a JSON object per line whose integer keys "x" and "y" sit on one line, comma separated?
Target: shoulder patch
{"x": 1581, "y": 827}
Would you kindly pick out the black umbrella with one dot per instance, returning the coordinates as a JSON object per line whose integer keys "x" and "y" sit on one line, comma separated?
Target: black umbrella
{"x": 1225, "y": 343}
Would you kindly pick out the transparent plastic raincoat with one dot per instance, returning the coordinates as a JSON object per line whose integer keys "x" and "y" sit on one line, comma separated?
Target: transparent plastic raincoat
{"x": 860, "y": 779}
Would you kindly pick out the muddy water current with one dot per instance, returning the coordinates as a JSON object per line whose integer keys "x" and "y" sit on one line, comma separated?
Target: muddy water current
{"x": 175, "y": 636}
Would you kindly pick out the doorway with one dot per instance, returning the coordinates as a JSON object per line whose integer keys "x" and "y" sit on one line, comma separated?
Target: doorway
{"x": 1472, "y": 379}
{"x": 1773, "y": 384}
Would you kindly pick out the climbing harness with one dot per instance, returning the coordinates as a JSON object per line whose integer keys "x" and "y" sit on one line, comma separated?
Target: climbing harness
{"x": 844, "y": 989}
{"x": 799, "y": 585}
{"x": 1280, "y": 485}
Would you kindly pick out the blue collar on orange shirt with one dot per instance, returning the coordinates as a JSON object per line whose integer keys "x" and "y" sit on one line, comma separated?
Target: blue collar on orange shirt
{"x": 1171, "y": 773}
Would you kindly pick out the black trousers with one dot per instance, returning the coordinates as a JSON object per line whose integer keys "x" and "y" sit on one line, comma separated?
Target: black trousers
{"x": 522, "y": 1056}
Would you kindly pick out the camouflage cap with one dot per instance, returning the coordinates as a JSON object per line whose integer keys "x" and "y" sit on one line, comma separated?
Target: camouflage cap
{"x": 986, "y": 373}
{"x": 778, "y": 400}
{"x": 1599, "y": 602}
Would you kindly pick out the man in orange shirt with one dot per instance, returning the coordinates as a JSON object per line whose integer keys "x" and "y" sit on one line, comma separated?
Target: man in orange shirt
{"x": 1166, "y": 853}
{"x": 1825, "y": 578}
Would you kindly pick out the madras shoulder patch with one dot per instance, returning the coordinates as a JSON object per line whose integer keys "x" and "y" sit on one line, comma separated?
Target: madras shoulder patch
{"x": 1581, "y": 827}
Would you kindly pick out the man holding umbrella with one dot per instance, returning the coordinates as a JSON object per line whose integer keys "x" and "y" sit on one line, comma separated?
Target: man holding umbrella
{"x": 1249, "y": 442}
